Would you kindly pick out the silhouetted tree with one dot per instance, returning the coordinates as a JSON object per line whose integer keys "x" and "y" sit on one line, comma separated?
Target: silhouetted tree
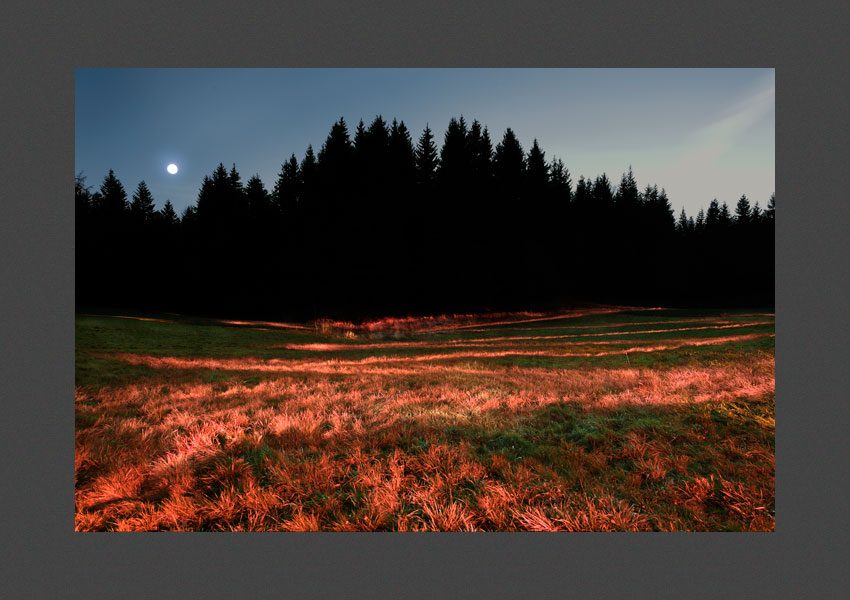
{"x": 168, "y": 216}
{"x": 286, "y": 188}
{"x": 770, "y": 210}
{"x": 142, "y": 205}
{"x": 82, "y": 196}
{"x": 712, "y": 215}
{"x": 700, "y": 222}
{"x": 537, "y": 171}
{"x": 560, "y": 183}
{"x": 743, "y": 212}
{"x": 426, "y": 159}
{"x": 509, "y": 168}
{"x": 724, "y": 218}
{"x": 682, "y": 225}
{"x": 113, "y": 198}
{"x": 375, "y": 225}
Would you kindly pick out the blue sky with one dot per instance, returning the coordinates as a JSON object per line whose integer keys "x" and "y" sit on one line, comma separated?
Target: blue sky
{"x": 699, "y": 133}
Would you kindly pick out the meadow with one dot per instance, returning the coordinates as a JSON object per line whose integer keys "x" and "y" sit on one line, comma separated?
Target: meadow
{"x": 602, "y": 419}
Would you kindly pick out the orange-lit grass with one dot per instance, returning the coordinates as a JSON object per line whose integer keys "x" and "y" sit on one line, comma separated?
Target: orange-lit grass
{"x": 405, "y": 443}
{"x": 549, "y": 341}
{"x": 265, "y": 325}
{"x": 452, "y": 322}
{"x": 354, "y": 365}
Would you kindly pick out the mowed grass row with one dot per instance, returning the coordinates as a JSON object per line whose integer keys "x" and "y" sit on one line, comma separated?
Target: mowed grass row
{"x": 449, "y": 430}
{"x": 98, "y": 338}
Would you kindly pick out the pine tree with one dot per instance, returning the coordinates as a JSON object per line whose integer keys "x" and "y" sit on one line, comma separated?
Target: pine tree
{"x": 309, "y": 174}
{"x": 560, "y": 182}
{"x": 724, "y": 218}
{"x": 258, "y": 199}
{"x": 583, "y": 196}
{"x": 190, "y": 214}
{"x": 509, "y": 166}
{"x": 663, "y": 212}
{"x": 167, "y": 215}
{"x": 334, "y": 159}
{"x": 682, "y": 223}
{"x": 286, "y": 187}
{"x": 402, "y": 155}
{"x": 360, "y": 137}
{"x": 481, "y": 151}
{"x": 235, "y": 180}
{"x": 712, "y": 215}
{"x": 455, "y": 157}
{"x": 743, "y": 212}
{"x": 82, "y": 195}
{"x": 142, "y": 207}
{"x": 426, "y": 159}
{"x": 205, "y": 201}
{"x": 113, "y": 198}
{"x": 627, "y": 199}
{"x": 378, "y": 139}
{"x": 537, "y": 171}
{"x": 603, "y": 196}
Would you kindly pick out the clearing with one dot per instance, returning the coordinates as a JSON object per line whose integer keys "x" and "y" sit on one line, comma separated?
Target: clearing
{"x": 606, "y": 419}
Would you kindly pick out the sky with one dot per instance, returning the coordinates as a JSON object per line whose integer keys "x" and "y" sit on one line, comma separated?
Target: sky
{"x": 698, "y": 133}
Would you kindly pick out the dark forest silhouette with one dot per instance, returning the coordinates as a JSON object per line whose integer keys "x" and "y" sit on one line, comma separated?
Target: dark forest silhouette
{"x": 375, "y": 224}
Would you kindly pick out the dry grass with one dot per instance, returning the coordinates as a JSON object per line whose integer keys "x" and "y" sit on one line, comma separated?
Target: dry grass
{"x": 452, "y": 441}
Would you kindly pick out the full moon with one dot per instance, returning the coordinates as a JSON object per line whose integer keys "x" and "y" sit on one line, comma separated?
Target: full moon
{"x": 172, "y": 168}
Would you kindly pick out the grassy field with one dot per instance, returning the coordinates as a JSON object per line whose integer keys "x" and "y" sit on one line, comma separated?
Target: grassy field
{"x": 601, "y": 420}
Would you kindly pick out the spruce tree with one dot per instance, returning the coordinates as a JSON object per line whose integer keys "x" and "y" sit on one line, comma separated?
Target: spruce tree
{"x": 712, "y": 215}
{"x": 481, "y": 151}
{"x": 286, "y": 187}
{"x": 142, "y": 207}
{"x": 627, "y": 198}
{"x": 235, "y": 179}
{"x": 682, "y": 223}
{"x": 603, "y": 197}
{"x": 509, "y": 166}
{"x": 455, "y": 158}
{"x": 560, "y": 182}
{"x": 167, "y": 215}
{"x": 82, "y": 195}
{"x": 743, "y": 212}
{"x": 360, "y": 137}
{"x": 334, "y": 158}
{"x": 425, "y": 158}
{"x": 113, "y": 198}
{"x": 309, "y": 174}
{"x": 537, "y": 171}
{"x": 724, "y": 218}
{"x": 402, "y": 155}
{"x": 258, "y": 199}
{"x": 662, "y": 213}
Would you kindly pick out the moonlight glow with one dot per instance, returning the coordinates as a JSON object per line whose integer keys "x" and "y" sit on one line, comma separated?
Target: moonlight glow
{"x": 172, "y": 168}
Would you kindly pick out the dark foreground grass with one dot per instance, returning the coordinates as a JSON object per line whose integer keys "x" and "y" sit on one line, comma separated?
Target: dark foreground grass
{"x": 195, "y": 425}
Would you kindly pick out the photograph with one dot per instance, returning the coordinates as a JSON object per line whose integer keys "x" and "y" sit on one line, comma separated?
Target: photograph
{"x": 424, "y": 300}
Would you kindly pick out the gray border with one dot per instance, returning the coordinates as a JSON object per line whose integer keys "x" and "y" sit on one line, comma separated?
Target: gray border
{"x": 43, "y": 558}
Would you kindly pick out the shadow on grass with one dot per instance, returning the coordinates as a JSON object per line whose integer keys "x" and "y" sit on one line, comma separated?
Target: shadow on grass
{"x": 652, "y": 458}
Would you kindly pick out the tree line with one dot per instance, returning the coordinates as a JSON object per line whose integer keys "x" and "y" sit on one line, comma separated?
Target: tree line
{"x": 375, "y": 223}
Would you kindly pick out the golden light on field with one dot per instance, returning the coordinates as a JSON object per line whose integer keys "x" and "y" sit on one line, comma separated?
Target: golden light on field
{"x": 438, "y": 440}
